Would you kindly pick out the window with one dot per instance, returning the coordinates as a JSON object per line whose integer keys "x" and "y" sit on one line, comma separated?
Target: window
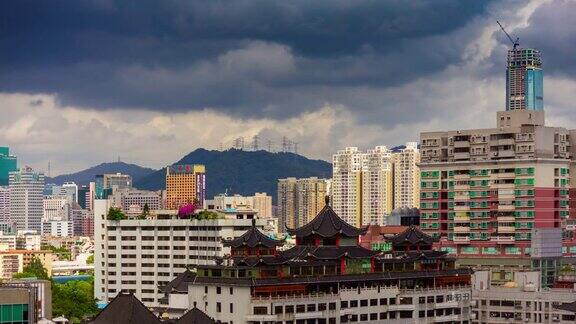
{"x": 218, "y": 290}
{"x": 231, "y": 291}
{"x": 364, "y": 303}
{"x": 261, "y": 310}
{"x": 218, "y": 307}
{"x": 277, "y": 309}
{"x": 205, "y": 289}
{"x": 344, "y": 304}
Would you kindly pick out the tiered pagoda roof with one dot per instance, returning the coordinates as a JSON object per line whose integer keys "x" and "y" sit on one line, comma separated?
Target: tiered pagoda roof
{"x": 253, "y": 238}
{"x": 307, "y": 254}
{"x": 125, "y": 308}
{"x": 412, "y": 235}
{"x": 327, "y": 224}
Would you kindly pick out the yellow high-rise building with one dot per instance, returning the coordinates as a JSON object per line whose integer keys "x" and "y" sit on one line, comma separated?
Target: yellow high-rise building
{"x": 185, "y": 184}
{"x": 407, "y": 177}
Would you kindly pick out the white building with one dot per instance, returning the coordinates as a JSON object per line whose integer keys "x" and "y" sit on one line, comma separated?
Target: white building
{"x": 70, "y": 190}
{"x": 139, "y": 255}
{"x": 407, "y": 177}
{"x": 260, "y": 202}
{"x": 346, "y": 185}
{"x": 132, "y": 201}
{"x": 377, "y": 185}
{"x": 61, "y": 228}
{"x": 522, "y": 300}
{"x": 56, "y": 208}
{"x": 26, "y": 195}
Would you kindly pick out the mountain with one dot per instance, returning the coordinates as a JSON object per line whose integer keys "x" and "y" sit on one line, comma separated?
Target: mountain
{"x": 85, "y": 176}
{"x": 243, "y": 172}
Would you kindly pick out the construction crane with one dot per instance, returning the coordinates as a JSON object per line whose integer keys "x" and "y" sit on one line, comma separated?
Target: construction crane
{"x": 515, "y": 43}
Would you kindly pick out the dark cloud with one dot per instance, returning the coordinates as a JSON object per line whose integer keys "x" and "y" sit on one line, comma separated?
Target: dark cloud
{"x": 247, "y": 57}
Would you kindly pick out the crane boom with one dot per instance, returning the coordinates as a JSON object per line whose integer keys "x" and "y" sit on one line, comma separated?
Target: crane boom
{"x": 515, "y": 43}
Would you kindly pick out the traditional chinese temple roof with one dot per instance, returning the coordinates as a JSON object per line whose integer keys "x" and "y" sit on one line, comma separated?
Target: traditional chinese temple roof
{"x": 253, "y": 238}
{"x": 125, "y": 308}
{"x": 412, "y": 235}
{"x": 304, "y": 253}
{"x": 177, "y": 282}
{"x": 327, "y": 224}
{"x": 195, "y": 316}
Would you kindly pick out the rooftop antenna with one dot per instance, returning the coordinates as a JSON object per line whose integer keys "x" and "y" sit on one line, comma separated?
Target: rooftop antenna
{"x": 515, "y": 43}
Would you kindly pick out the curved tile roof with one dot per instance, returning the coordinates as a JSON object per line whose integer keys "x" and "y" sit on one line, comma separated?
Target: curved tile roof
{"x": 253, "y": 238}
{"x": 327, "y": 224}
{"x": 125, "y": 308}
{"x": 412, "y": 235}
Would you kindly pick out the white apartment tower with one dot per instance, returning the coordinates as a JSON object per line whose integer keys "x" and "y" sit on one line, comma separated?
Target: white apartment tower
{"x": 4, "y": 205}
{"x": 26, "y": 199}
{"x": 347, "y": 185}
{"x": 407, "y": 177}
{"x": 377, "y": 190}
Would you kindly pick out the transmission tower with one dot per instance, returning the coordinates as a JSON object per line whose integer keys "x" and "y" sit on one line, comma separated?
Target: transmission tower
{"x": 295, "y": 147}
{"x": 285, "y": 144}
{"x": 239, "y": 143}
{"x": 255, "y": 143}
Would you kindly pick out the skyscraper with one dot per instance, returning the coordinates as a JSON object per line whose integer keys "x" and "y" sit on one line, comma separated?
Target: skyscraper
{"x": 26, "y": 199}
{"x": 377, "y": 185}
{"x": 524, "y": 80}
{"x": 7, "y": 165}
{"x": 185, "y": 183}
{"x": 300, "y": 200}
{"x": 347, "y": 185}
{"x": 407, "y": 177}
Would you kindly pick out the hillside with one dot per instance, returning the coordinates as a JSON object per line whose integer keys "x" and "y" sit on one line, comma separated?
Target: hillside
{"x": 243, "y": 172}
{"x": 85, "y": 176}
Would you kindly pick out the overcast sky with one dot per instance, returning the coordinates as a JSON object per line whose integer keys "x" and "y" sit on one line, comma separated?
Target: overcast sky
{"x": 83, "y": 82}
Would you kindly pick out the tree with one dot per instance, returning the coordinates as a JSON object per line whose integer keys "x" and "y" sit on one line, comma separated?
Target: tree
{"x": 206, "y": 214}
{"x": 35, "y": 269}
{"x": 90, "y": 259}
{"x": 74, "y": 299}
{"x": 115, "y": 213}
{"x": 145, "y": 211}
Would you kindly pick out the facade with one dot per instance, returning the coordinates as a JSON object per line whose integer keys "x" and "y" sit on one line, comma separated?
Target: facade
{"x": 300, "y": 200}
{"x": 17, "y": 305}
{"x": 14, "y": 261}
{"x": 139, "y": 255}
{"x": 377, "y": 185}
{"x": 347, "y": 185}
{"x": 260, "y": 202}
{"x": 483, "y": 191}
{"x": 524, "y": 80}
{"x": 39, "y": 296}
{"x": 520, "y": 300}
{"x": 407, "y": 177}
{"x": 367, "y": 186}
{"x": 185, "y": 183}
{"x": 5, "y": 205}
{"x": 132, "y": 201}
{"x": 8, "y": 163}
{"x": 26, "y": 199}
{"x": 58, "y": 228}
{"x": 55, "y": 208}
{"x": 326, "y": 278}
{"x": 117, "y": 181}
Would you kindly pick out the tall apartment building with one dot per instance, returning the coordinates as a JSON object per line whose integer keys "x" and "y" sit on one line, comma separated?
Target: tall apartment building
{"x": 407, "y": 177}
{"x": 484, "y": 190}
{"x": 300, "y": 200}
{"x": 347, "y": 185}
{"x": 26, "y": 199}
{"x": 8, "y": 163}
{"x": 524, "y": 80}
{"x": 262, "y": 203}
{"x": 377, "y": 185}
{"x": 140, "y": 255}
{"x": 117, "y": 180}
{"x": 185, "y": 183}
{"x": 5, "y": 205}
{"x": 366, "y": 186}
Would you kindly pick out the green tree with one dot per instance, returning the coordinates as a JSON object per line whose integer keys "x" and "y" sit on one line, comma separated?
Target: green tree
{"x": 115, "y": 213}
{"x": 145, "y": 212}
{"x": 90, "y": 259}
{"x": 35, "y": 269}
{"x": 74, "y": 299}
{"x": 206, "y": 214}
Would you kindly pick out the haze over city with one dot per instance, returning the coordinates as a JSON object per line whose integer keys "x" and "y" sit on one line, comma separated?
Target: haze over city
{"x": 84, "y": 83}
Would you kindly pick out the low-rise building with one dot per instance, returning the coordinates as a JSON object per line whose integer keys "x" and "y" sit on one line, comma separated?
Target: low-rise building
{"x": 520, "y": 300}
{"x": 14, "y": 261}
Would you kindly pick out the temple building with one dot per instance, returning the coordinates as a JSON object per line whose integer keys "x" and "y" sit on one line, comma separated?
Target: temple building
{"x": 326, "y": 278}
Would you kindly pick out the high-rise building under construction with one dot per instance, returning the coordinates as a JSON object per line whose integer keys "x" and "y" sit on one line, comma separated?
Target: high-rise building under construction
{"x": 524, "y": 80}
